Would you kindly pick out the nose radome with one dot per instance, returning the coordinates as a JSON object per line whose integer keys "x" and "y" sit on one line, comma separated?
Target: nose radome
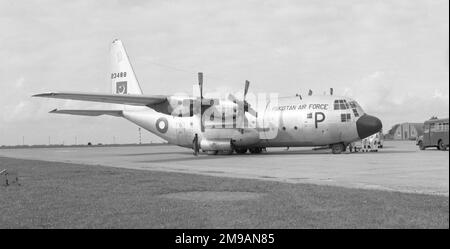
{"x": 368, "y": 125}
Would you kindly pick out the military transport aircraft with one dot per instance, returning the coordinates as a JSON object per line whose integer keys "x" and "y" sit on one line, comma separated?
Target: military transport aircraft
{"x": 229, "y": 124}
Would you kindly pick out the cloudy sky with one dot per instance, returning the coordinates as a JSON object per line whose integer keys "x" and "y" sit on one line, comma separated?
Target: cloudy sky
{"x": 392, "y": 56}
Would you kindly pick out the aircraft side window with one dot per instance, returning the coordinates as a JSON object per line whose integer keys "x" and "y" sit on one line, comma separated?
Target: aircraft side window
{"x": 309, "y": 115}
{"x": 346, "y": 117}
{"x": 355, "y": 112}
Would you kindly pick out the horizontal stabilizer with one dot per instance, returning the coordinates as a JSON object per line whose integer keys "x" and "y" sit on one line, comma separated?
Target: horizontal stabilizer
{"x": 116, "y": 113}
{"x": 125, "y": 99}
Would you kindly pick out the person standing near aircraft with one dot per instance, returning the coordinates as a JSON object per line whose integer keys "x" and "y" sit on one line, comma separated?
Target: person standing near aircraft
{"x": 195, "y": 145}
{"x": 364, "y": 143}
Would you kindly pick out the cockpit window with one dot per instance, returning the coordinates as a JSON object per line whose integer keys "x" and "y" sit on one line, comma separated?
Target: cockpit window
{"x": 341, "y": 104}
{"x": 356, "y": 108}
{"x": 346, "y": 105}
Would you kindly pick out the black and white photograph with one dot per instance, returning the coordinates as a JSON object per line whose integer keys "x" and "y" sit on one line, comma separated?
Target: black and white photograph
{"x": 222, "y": 115}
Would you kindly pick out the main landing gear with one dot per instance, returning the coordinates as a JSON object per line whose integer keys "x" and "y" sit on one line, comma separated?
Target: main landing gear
{"x": 256, "y": 150}
{"x": 241, "y": 151}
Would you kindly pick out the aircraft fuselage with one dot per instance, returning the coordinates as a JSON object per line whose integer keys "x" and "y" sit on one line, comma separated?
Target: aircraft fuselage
{"x": 290, "y": 121}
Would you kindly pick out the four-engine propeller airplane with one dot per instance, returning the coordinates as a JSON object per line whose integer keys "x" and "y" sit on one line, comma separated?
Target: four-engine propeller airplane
{"x": 229, "y": 125}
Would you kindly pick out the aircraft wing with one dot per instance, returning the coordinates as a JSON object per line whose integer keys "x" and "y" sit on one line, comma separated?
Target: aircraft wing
{"x": 116, "y": 113}
{"x": 125, "y": 99}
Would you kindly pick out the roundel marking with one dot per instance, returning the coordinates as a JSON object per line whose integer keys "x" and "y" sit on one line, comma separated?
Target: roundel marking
{"x": 162, "y": 125}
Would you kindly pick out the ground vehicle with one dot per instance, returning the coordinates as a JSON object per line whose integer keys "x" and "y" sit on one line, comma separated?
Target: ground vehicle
{"x": 435, "y": 134}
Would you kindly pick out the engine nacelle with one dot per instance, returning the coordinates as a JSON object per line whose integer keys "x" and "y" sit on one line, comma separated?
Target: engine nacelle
{"x": 208, "y": 145}
{"x": 247, "y": 137}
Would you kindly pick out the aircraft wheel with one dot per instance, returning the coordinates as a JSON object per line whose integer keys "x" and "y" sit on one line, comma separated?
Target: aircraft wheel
{"x": 212, "y": 152}
{"x": 241, "y": 150}
{"x": 337, "y": 148}
{"x": 441, "y": 146}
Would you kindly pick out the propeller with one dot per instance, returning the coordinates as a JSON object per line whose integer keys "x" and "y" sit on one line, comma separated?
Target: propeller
{"x": 243, "y": 104}
{"x": 246, "y": 106}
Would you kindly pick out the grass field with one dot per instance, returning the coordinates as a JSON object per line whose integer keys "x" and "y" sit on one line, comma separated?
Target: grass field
{"x": 59, "y": 195}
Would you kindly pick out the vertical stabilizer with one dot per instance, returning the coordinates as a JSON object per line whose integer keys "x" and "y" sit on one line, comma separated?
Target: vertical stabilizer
{"x": 123, "y": 79}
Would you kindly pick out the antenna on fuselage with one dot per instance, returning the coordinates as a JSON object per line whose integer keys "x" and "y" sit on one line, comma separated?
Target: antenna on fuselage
{"x": 310, "y": 92}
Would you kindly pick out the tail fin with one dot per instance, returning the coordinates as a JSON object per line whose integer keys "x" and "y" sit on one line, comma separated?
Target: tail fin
{"x": 123, "y": 79}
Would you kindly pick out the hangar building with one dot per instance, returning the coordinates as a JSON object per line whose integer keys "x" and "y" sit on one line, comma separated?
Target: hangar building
{"x": 405, "y": 131}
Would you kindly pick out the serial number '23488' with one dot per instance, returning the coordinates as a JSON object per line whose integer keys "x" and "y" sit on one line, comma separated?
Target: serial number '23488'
{"x": 118, "y": 75}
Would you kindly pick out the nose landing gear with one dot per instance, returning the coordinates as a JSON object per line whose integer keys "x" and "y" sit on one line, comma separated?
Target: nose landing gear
{"x": 255, "y": 150}
{"x": 337, "y": 148}
{"x": 241, "y": 150}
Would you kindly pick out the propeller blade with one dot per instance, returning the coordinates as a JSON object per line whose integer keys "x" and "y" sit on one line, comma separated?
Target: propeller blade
{"x": 252, "y": 112}
{"x": 233, "y": 98}
{"x": 247, "y": 85}
{"x": 200, "y": 84}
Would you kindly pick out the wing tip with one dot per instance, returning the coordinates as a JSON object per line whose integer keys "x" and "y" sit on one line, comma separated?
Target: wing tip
{"x": 43, "y": 95}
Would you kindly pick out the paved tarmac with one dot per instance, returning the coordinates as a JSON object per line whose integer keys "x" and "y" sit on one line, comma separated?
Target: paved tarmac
{"x": 399, "y": 166}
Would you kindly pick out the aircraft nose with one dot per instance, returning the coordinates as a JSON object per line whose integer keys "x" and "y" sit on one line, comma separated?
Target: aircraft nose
{"x": 368, "y": 125}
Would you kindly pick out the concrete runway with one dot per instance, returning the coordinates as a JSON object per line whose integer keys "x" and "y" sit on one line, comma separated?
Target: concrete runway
{"x": 399, "y": 166}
